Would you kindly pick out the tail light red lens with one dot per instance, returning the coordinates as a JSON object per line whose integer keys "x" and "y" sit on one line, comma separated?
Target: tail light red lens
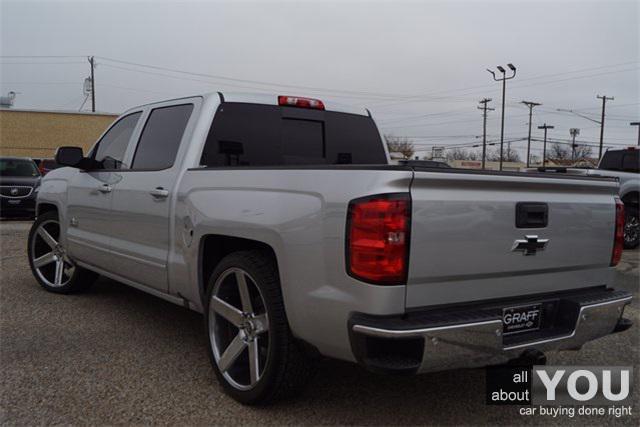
{"x": 378, "y": 238}
{"x": 297, "y": 101}
{"x": 618, "y": 242}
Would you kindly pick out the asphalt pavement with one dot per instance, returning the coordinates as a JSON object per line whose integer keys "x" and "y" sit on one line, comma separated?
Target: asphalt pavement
{"x": 114, "y": 355}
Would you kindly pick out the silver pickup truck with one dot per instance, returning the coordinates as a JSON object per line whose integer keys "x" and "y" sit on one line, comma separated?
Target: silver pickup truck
{"x": 279, "y": 219}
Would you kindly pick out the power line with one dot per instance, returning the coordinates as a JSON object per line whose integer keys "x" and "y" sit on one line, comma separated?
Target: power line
{"x": 233, "y": 79}
{"x": 521, "y": 80}
{"x": 41, "y": 63}
{"x": 42, "y": 56}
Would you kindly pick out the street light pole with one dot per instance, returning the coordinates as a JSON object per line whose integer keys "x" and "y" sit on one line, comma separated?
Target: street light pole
{"x": 544, "y": 147}
{"x": 504, "y": 79}
{"x": 637, "y": 124}
{"x": 530, "y": 105}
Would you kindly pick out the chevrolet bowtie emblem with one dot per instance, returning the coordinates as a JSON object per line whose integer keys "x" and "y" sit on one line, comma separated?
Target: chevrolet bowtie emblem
{"x": 530, "y": 245}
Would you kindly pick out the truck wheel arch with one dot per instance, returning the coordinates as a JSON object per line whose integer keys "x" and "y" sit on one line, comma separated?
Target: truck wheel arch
{"x": 631, "y": 198}
{"x": 46, "y": 207}
{"x": 214, "y": 247}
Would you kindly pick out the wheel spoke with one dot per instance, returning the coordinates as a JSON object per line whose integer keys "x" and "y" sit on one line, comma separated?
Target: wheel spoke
{"x": 59, "y": 270}
{"x": 231, "y": 353}
{"x": 44, "y": 260}
{"x": 227, "y": 311}
{"x": 245, "y": 297}
{"x": 48, "y": 239}
{"x": 254, "y": 361}
{"x": 262, "y": 323}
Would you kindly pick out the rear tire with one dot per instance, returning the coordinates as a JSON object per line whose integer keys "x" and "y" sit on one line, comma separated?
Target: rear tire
{"x": 254, "y": 355}
{"x": 631, "y": 227}
{"x": 48, "y": 259}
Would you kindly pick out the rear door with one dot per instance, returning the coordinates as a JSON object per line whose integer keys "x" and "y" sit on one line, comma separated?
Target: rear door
{"x": 143, "y": 198}
{"x": 90, "y": 193}
{"x": 468, "y": 245}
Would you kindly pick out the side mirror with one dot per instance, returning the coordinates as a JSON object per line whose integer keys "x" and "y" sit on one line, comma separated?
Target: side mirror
{"x": 69, "y": 156}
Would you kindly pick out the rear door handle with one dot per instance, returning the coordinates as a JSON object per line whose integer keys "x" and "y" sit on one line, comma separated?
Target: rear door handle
{"x": 159, "y": 193}
{"x": 106, "y": 188}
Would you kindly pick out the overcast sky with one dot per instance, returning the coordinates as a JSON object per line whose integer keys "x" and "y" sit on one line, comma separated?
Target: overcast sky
{"x": 419, "y": 66}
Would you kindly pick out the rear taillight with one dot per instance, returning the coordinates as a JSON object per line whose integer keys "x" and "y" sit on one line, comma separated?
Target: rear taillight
{"x": 296, "y": 101}
{"x": 378, "y": 238}
{"x": 618, "y": 241}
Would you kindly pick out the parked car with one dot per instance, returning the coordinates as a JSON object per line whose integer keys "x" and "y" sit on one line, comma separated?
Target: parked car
{"x": 624, "y": 164}
{"x": 47, "y": 165}
{"x": 279, "y": 220}
{"x": 19, "y": 183}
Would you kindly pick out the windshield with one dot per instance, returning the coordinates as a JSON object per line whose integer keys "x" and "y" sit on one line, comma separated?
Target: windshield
{"x": 18, "y": 167}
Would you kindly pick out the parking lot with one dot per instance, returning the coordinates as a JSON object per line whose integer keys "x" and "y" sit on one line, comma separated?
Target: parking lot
{"x": 116, "y": 355}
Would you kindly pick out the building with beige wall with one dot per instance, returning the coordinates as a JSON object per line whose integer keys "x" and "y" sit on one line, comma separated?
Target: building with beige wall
{"x": 37, "y": 134}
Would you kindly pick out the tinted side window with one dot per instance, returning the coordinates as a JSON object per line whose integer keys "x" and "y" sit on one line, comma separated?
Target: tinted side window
{"x": 268, "y": 135}
{"x": 612, "y": 160}
{"x": 161, "y": 137}
{"x": 113, "y": 145}
{"x": 631, "y": 161}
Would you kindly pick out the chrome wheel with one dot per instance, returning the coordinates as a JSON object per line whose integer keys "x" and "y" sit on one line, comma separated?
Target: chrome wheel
{"x": 49, "y": 258}
{"x": 239, "y": 328}
{"x": 631, "y": 229}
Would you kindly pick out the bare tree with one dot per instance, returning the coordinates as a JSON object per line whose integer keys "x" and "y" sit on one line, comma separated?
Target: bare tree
{"x": 461, "y": 154}
{"x": 559, "y": 151}
{"x": 583, "y": 151}
{"x": 400, "y": 144}
{"x": 534, "y": 159}
{"x": 510, "y": 155}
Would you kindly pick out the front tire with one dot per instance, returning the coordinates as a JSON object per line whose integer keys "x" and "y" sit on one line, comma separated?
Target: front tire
{"x": 254, "y": 355}
{"x": 48, "y": 259}
{"x": 631, "y": 227}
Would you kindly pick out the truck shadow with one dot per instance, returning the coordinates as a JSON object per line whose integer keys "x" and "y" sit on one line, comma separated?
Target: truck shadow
{"x": 341, "y": 392}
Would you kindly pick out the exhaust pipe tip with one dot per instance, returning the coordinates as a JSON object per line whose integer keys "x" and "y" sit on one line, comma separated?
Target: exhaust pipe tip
{"x": 622, "y": 325}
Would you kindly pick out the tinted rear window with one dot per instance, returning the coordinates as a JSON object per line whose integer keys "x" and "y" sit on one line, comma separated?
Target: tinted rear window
{"x": 269, "y": 135}
{"x": 621, "y": 160}
{"x": 631, "y": 161}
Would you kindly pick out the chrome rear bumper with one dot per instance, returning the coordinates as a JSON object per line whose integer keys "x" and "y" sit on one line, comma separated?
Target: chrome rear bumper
{"x": 479, "y": 341}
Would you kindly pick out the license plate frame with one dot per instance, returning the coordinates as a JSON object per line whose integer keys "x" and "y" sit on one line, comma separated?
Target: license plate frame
{"x": 14, "y": 201}
{"x": 521, "y": 318}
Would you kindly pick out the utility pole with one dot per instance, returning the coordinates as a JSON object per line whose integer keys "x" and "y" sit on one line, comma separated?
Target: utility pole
{"x": 573, "y": 132}
{"x": 93, "y": 85}
{"x": 544, "y": 147}
{"x": 637, "y": 124}
{"x": 504, "y": 79}
{"x": 484, "y": 109}
{"x": 530, "y": 105}
{"x": 604, "y": 98}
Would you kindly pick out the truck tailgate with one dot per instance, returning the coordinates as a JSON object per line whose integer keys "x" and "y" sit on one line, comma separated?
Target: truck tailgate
{"x": 464, "y": 230}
